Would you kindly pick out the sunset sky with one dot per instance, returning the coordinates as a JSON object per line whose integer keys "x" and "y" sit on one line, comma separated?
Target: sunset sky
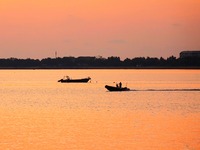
{"x": 124, "y": 28}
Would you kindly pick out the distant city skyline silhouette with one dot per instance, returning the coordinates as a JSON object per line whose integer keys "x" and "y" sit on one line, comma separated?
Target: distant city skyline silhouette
{"x": 186, "y": 60}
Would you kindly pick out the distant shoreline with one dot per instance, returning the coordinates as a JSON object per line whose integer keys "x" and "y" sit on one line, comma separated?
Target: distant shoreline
{"x": 60, "y": 68}
{"x": 101, "y": 63}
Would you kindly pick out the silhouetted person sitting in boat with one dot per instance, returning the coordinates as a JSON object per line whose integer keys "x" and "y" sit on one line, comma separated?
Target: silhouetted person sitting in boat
{"x": 120, "y": 85}
{"x": 117, "y": 85}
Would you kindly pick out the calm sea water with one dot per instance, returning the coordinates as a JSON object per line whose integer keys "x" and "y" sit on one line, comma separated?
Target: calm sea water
{"x": 161, "y": 112}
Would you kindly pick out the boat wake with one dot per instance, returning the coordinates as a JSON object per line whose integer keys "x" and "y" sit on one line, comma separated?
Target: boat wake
{"x": 172, "y": 90}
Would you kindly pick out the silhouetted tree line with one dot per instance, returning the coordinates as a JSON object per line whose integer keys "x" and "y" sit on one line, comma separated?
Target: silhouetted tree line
{"x": 100, "y": 62}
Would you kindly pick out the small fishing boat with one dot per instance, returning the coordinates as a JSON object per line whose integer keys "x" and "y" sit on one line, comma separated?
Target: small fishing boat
{"x": 114, "y": 88}
{"x": 67, "y": 79}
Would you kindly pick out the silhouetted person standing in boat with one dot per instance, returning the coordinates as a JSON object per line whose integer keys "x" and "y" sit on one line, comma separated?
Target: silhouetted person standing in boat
{"x": 120, "y": 85}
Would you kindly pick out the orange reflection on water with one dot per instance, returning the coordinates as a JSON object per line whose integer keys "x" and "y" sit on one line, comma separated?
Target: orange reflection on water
{"x": 104, "y": 129}
{"x": 37, "y": 112}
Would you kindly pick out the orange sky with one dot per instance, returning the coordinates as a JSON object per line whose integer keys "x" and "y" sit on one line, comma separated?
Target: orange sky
{"x": 125, "y": 28}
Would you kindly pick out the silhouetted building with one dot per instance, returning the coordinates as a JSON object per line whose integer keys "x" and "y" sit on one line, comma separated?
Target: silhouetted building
{"x": 185, "y": 54}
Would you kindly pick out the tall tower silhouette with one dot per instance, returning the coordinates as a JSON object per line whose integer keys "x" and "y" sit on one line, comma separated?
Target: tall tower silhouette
{"x": 55, "y": 54}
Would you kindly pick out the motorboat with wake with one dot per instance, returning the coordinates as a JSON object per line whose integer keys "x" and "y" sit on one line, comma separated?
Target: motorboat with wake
{"x": 116, "y": 88}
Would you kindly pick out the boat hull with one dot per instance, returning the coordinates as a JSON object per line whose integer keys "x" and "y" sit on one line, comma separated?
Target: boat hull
{"x": 84, "y": 80}
{"x": 112, "y": 88}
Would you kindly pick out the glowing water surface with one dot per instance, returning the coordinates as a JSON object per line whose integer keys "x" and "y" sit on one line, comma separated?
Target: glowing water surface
{"x": 162, "y": 110}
